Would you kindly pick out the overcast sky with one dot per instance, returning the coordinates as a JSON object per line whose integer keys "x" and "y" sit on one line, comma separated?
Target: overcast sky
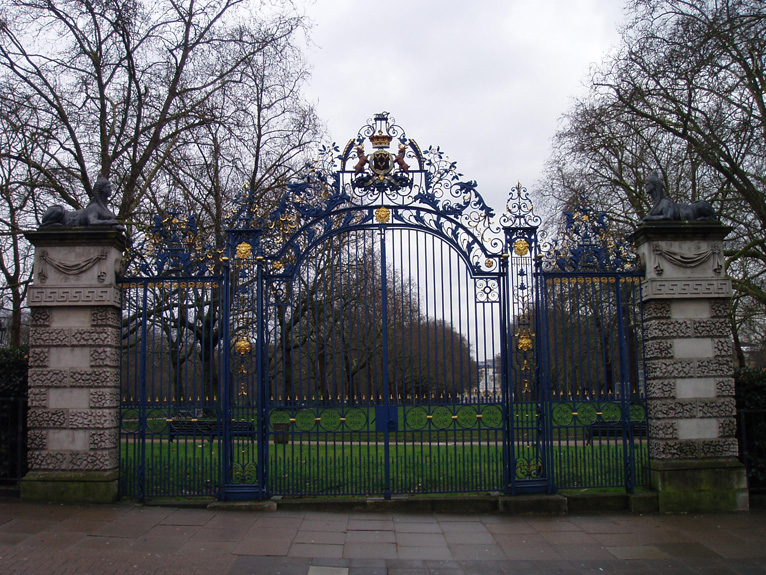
{"x": 487, "y": 80}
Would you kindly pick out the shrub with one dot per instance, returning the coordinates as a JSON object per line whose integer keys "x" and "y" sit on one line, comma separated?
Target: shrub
{"x": 750, "y": 391}
{"x": 14, "y": 364}
{"x": 750, "y": 388}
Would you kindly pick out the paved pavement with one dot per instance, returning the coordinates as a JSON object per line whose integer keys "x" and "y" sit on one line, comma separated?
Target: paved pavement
{"x": 126, "y": 538}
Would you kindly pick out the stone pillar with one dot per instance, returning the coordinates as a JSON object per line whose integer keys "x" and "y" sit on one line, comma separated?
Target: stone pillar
{"x": 689, "y": 368}
{"x": 74, "y": 365}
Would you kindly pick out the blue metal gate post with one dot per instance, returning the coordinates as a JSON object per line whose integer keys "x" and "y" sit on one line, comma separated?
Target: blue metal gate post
{"x": 260, "y": 369}
{"x": 627, "y": 428}
{"x": 505, "y": 371}
{"x": 142, "y": 399}
{"x": 542, "y": 370}
{"x": 384, "y": 361}
{"x": 224, "y": 393}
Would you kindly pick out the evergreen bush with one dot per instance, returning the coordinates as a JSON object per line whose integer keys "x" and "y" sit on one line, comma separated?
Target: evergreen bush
{"x": 14, "y": 364}
{"x": 750, "y": 392}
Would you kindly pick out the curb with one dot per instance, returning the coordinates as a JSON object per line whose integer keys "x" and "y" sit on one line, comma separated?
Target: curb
{"x": 560, "y": 504}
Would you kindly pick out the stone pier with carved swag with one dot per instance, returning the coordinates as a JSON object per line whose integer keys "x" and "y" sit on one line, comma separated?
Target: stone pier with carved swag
{"x": 74, "y": 365}
{"x": 689, "y": 367}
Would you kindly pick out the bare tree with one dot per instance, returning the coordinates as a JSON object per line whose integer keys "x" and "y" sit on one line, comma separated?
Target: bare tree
{"x": 685, "y": 93}
{"x": 21, "y": 135}
{"x": 175, "y": 102}
{"x": 122, "y": 84}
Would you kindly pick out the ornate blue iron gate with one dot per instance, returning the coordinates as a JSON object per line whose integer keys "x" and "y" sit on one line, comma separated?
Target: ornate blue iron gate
{"x": 591, "y": 345}
{"x": 382, "y": 335}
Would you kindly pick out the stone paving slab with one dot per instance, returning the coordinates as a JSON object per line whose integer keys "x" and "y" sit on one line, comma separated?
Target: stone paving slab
{"x": 75, "y": 540}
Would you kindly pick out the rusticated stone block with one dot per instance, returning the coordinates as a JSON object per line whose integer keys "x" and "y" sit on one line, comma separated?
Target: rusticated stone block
{"x": 723, "y": 347}
{"x": 663, "y": 450}
{"x": 104, "y": 357}
{"x": 104, "y": 439}
{"x": 104, "y": 398}
{"x": 104, "y": 377}
{"x": 49, "y": 336}
{"x": 42, "y": 460}
{"x": 41, "y": 418}
{"x": 720, "y": 307}
{"x": 93, "y": 419}
{"x": 665, "y": 328}
{"x": 105, "y": 316}
{"x": 41, "y": 377}
{"x": 40, "y": 316}
{"x": 725, "y": 387}
{"x": 37, "y": 397}
{"x": 672, "y": 409}
{"x": 711, "y": 328}
{"x": 659, "y": 349}
{"x": 669, "y": 368}
{"x": 38, "y": 357}
{"x": 36, "y": 439}
{"x": 101, "y": 337}
{"x": 717, "y": 407}
{"x": 663, "y": 429}
{"x": 727, "y": 427}
{"x": 94, "y": 460}
{"x": 661, "y": 388}
{"x": 715, "y": 366}
{"x": 724, "y": 447}
{"x": 657, "y": 309}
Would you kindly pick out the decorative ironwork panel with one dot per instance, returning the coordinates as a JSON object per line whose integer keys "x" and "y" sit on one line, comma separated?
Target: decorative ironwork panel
{"x": 171, "y": 422}
{"x": 381, "y": 366}
{"x": 594, "y": 357}
{"x": 380, "y": 332}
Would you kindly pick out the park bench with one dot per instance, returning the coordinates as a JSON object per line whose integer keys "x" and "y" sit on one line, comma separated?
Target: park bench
{"x": 602, "y": 428}
{"x": 208, "y": 428}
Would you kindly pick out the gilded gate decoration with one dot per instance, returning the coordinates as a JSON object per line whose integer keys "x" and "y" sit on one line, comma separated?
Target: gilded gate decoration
{"x": 378, "y": 332}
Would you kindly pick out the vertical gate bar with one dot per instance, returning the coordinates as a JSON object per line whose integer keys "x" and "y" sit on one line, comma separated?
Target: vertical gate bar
{"x": 384, "y": 359}
{"x": 504, "y": 396}
{"x": 627, "y": 435}
{"x": 141, "y": 470}
{"x": 506, "y": 392}
{"x": 541, "y": 359}
{"x": 393, "y": 343}
{"x": 225, "y": 376}
{"x": 409, "y": 389}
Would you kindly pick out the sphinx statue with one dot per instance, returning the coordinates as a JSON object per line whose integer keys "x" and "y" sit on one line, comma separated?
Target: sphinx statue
{"x": 96, "y": 213}
{"x": 665, "y": 208}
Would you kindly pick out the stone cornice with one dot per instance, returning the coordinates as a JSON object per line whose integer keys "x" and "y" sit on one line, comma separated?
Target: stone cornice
{"x": 652, "y": 231}
{"x": 58, "y": 236}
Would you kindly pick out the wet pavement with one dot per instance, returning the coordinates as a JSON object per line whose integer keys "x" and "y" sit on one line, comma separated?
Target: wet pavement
{"x": 127, "y": 538}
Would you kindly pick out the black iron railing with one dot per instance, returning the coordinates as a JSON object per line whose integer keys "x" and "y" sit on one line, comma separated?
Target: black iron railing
{"x": 752, "y": 430}
{"x": 13, "y": 439}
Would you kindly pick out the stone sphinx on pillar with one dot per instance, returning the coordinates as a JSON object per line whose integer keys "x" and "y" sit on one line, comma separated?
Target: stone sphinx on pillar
{"x": 74, "y": 356}
{"x": 689, "y": 361}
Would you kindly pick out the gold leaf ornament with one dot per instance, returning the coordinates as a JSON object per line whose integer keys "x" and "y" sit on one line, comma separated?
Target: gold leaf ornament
{"x": 383, "y": 215}
{"x": 242, "y": 346}
{"x": 521, "y": 247}
{"x": 244, "y": 251}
